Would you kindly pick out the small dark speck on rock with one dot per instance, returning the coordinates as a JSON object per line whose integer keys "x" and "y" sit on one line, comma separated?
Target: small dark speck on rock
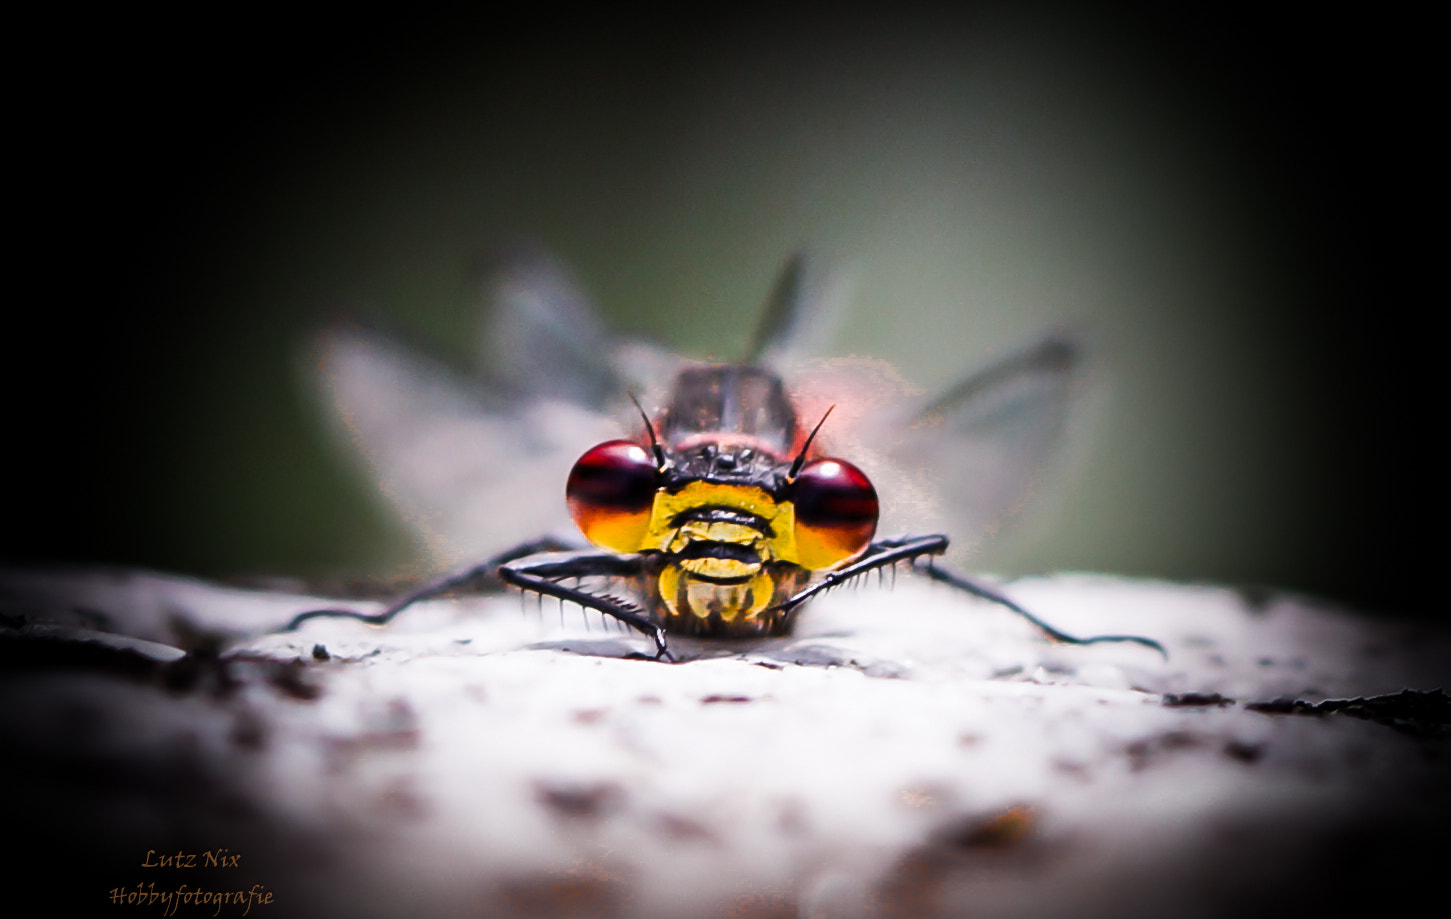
{"x": 1179, "y": 740}
{"x": 401, "y": 802}
{"x": 1071, "y": 768}
{"x": 1182, "y": 699}
{"x": 674, "y": 826}
{"x": 289, "y": 680}
{"x": 1243, "y": 751}
{"x": 190, "y": 637}
{"x": 791, "y": 818}
{"x": 912, "y": 885}
{"x": 576, "y": 802}
{"x": 1142, "y": 753}
{"x": 713, "y": 699}
{"x": 1000, "y": 831}
{"x": 1257, "y": 599}
{"x": 249, "y": 732}
{"x": 593, "y": 895}
{"x": 319, "y": 653}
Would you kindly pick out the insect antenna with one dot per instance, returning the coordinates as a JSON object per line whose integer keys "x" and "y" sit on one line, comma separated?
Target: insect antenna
{"x": 650, "y": 429}
{"x": 801, "y": 457}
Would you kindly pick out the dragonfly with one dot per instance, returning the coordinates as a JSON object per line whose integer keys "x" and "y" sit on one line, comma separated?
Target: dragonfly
{"x": 750, "y": 490}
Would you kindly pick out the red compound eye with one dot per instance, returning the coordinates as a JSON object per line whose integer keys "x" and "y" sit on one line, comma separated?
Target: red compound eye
{"x": 836, "y": 512}
{"x": 610, "y": 492}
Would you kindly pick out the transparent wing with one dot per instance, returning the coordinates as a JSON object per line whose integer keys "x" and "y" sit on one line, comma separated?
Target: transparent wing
{"x": 541, "y": 336}
{"x": 474, "y": 464}
{"x": 960, "y": 462}
{"x": 800, "y": 318}
{"x": 974, "y": 453}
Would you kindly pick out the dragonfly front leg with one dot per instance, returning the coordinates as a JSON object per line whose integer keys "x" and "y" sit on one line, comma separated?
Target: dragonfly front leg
{"x": 540, "y": 574}
{"x": 474, "y": 575}
{"x": 879, "y": 554}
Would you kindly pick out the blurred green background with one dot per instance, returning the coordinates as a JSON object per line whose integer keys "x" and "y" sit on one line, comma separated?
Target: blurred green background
{"x": 1220, "y": 205}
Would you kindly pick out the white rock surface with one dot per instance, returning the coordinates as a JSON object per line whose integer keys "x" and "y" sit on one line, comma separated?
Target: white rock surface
{"x": 909, "y": 751}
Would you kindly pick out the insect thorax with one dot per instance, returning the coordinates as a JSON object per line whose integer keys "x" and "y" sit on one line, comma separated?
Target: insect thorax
{"x": 730, "y": 400}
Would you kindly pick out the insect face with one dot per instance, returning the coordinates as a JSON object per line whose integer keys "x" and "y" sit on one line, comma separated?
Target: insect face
{"x": 729, "y": 529}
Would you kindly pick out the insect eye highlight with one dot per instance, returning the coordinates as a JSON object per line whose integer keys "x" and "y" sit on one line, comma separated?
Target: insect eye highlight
{"x": 836, "y": 512}
{"x": 610, "y": 492}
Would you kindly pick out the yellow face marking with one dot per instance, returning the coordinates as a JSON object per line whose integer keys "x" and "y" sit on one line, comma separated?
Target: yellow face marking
{"x": 663, "y": 535}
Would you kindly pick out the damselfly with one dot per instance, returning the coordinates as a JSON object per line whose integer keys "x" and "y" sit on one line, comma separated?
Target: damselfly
{"x": 724, "y": 511}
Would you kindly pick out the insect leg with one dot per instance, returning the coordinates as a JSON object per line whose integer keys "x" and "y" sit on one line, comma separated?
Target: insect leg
{"x": 978, "y": 590}
{"x": 540, "y": 574}
{"x": 879, "y": 555}
{"x": 440, "y": 585}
